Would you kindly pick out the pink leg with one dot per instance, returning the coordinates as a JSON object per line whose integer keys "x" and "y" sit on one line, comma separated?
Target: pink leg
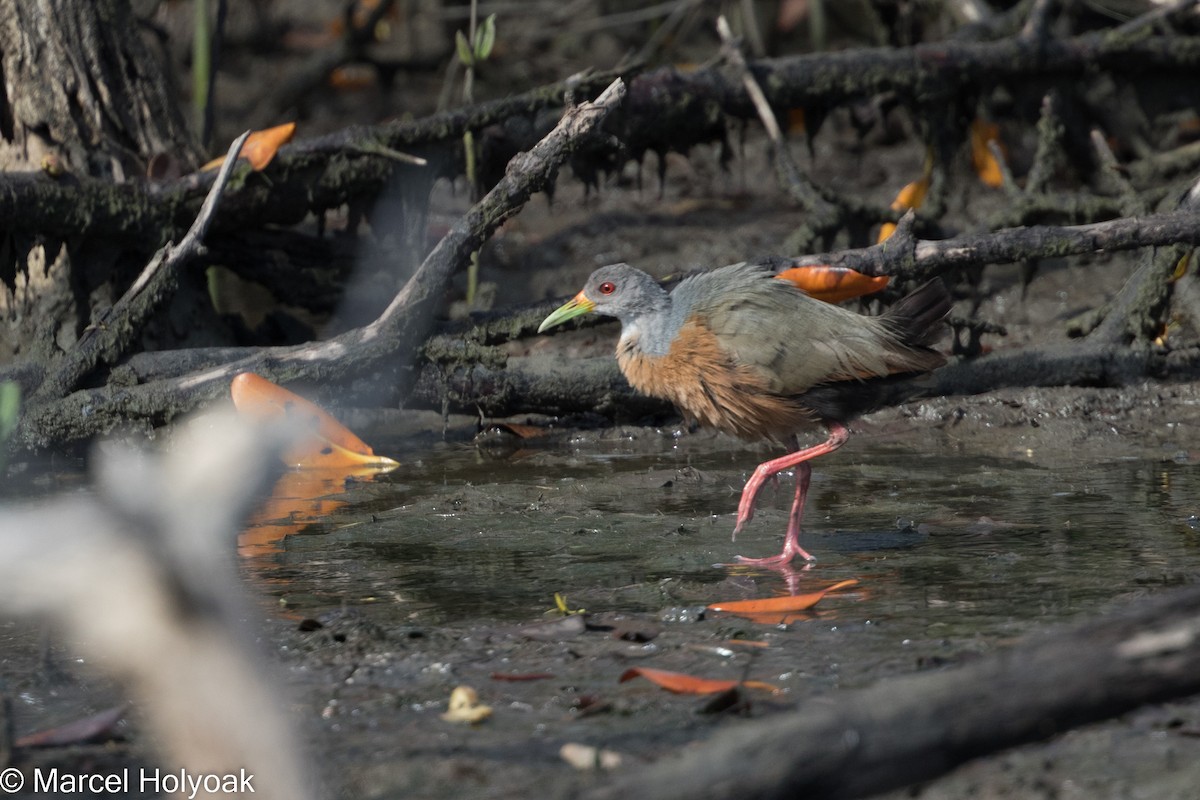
{"x": 791, "y": 546}
{"x": 791, "y": 542}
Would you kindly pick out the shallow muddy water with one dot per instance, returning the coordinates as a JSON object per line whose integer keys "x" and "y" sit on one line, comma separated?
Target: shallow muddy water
{"x": 955, "y": 555}
{"x": 640, "y": 520}
{"x": 432, "y": 576}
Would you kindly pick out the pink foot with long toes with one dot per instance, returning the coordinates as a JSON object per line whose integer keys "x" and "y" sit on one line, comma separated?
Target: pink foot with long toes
{"x": 791, "y": 543}
{"x": 790, "y": 551}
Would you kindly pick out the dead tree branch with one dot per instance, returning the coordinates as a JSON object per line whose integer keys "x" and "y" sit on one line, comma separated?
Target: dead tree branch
{"x": 387, "y": 345}
{"x": 926, "y": 258}
{"x": 468, "y": 370}
{"x": 668, "y": 110}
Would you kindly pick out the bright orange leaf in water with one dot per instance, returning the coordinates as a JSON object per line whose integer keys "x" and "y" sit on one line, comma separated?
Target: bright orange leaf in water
{"x": 833, "y": 284}
{"x": 260, "y": 147}
{"x": 328, "y": 443}
{"x": 681, "y": 683}
{"x": 298, "y": 499}
{"x": 776, "y": 609}
{"x": 984, "y": 161}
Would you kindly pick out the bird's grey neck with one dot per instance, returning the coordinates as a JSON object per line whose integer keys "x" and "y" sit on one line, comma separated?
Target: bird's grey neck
{"x": 654, "y": 330}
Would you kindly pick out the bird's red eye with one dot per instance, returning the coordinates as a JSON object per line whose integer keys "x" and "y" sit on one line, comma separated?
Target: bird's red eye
{"x": 607, "y": 287}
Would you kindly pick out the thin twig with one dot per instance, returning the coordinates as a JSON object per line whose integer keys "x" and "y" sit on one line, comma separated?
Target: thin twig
{"x": 104, "y": 339}
{"x": 927, "y": 258}
{"x": 822, "y": 214}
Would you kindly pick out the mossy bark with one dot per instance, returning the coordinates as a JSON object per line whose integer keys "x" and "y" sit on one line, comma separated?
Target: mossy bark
{"x": 82, "y": 97}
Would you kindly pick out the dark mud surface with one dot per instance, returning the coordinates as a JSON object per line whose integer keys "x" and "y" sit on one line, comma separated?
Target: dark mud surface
{"x": 961, "y": 542}
{"x": 969, "y": 524}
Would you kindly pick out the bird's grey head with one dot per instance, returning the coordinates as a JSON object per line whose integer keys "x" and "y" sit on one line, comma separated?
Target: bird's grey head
{"x": 624, "y": 292}
{"x": 617, "y": 290}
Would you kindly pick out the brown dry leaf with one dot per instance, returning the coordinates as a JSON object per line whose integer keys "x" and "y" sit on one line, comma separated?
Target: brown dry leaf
{"x": 97, "y": 727}
{"x": 1181, "y": 268}
{"x": 262, "y": 145}
{"x": 464, "y": 706}
{"x": 518, "y": 677}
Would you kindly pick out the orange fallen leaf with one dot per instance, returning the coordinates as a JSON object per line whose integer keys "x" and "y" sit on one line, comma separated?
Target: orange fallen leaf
{"x": 780, "y": 605}
{"x": 328, "y": 443}
{"x": 984, "y": 161}
{"x": 261, "y": 146}
{"x": 912, "y": 196}
{"x": 681, "y": 683}
{"x": 833, "y": 284}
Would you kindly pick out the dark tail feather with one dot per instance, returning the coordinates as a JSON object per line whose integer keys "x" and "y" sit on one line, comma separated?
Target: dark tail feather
{"x": 916, "y": 319}
{"x": 916, "y": 324}
{"x": 845, "y": 400}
